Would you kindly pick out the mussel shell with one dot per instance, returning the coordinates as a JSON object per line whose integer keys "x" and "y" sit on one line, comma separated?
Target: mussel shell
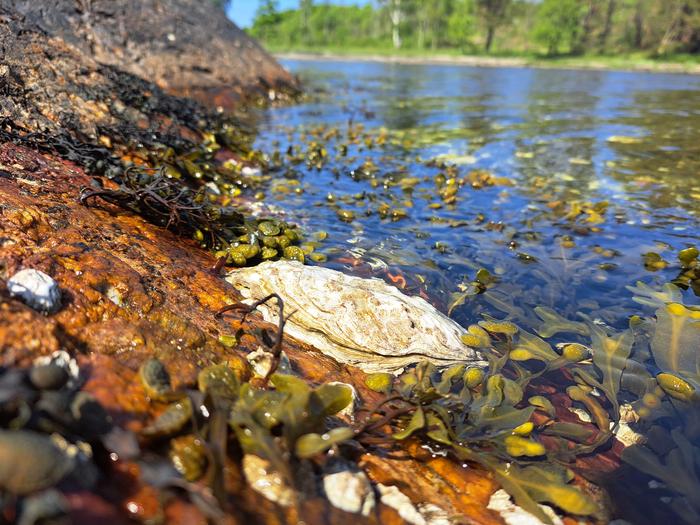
{"x": 91, "y": 419}
{"x": 30, "y": 462}
{"x": 173, "y": 419}
{"x": 155, "y": 379}
{"x": 49, "y": 377}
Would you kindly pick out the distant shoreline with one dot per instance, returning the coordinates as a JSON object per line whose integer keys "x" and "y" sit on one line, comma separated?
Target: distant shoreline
{"x": 582, "y": 63}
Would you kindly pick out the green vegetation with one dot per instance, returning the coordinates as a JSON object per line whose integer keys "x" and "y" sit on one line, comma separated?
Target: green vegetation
{"x": 649, "y": 28}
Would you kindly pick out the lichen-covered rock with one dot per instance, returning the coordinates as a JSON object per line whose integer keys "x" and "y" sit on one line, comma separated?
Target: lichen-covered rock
{"x": 362, "y": 322}
{"x": 36, "y": 289}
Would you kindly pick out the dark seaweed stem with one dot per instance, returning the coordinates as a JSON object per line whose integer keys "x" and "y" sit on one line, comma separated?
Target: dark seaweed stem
{"x": 277, "y": 346}
{"x": 371, "y": 424}
{"x": 220, "y": 263}
{"x": 163, "y": 201}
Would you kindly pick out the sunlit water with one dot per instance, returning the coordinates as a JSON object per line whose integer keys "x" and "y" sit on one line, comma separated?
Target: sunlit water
{"x": 549, "y": 132}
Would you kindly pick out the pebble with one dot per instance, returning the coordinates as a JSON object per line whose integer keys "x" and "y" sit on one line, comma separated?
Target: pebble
{"x": 38, "y": 290}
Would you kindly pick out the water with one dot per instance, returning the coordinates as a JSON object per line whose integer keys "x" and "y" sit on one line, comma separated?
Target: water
{"x": 555, "y": 135}
{"x": 571, "y": 186}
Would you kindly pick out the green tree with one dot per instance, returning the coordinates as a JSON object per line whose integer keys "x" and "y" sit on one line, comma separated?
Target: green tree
{"x": 267, "y": 18}
{"x": 460, "y": 24}
{"x": 558, "y": 23}
{"x": 494, "y": 14}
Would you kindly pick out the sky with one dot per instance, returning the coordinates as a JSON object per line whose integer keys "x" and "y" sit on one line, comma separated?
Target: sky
{"x": 242, "y": 12}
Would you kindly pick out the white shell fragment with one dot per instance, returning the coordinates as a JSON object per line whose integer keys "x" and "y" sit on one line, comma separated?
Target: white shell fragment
{"x": 513, "y": 515}
{"x": 424, "y": 514}
{"x": 266, "y": 481}
{"x": 64, "y": 360}
{"x": 261, "y": 361}
{"x": 362, "y": 322}
{"x": 38, "y": 290}
{"x": 349, "y": 490}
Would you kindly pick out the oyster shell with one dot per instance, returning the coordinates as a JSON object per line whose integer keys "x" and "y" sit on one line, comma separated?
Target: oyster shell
{"x": 362, "y": 322}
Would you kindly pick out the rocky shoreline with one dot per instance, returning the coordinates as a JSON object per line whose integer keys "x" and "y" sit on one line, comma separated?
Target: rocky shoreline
{"x": 97, "y": 98}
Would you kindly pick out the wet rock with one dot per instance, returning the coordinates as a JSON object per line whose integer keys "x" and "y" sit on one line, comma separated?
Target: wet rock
{"x": 513, "y": 515}
{"x": 38, "y": 290}
{"x": 363, "y": 322}
{"x": 349, "y": 489}
{"x": 185, "y": 46}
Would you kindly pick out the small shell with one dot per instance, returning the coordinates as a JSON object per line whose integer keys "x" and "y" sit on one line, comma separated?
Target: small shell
{"x": 172, "y": 420}
{"x": 363, "y": 322}
{"x": 48, "y": 377}
{"x": 155, "y": 379}
{"x": 64, "y": 360}
{"x": 91, "y": 419}
{"x": 30, "y": 462}
{"x": 349, "y": 490}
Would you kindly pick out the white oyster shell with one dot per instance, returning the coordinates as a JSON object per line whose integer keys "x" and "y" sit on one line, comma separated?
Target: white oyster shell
{"x": 362, "y": 322}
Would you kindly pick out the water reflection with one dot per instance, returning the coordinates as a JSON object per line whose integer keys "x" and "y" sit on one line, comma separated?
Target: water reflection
{"x": 626, "y": 142}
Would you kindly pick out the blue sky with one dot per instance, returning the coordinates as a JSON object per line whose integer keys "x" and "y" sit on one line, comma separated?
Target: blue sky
{"x": 243, "y": 11}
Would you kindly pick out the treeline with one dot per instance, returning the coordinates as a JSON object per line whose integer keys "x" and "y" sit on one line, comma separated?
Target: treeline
{"x": 553, "y": 27}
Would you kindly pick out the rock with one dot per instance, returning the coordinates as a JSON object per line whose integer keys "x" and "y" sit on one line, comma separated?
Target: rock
{"x": 36, "y": 289}
{"x": 349, "y": 489}
{"x": 513, "y": 515}
{"x": 362, "y": 322}
{"x": 185, "y": 46}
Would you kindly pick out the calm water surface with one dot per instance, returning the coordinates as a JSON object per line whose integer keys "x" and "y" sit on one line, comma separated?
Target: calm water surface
{"x": 561, "y": 138}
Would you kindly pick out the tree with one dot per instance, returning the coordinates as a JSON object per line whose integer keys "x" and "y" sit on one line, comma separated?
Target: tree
{"x": 395, "y": 16}
{"x": 494, "y": 14}
{"x": 267, "y": 18}
{"x": 607, "y": 25}
{"x": 460, "y": 24}
{"x": 558, "y": 22}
